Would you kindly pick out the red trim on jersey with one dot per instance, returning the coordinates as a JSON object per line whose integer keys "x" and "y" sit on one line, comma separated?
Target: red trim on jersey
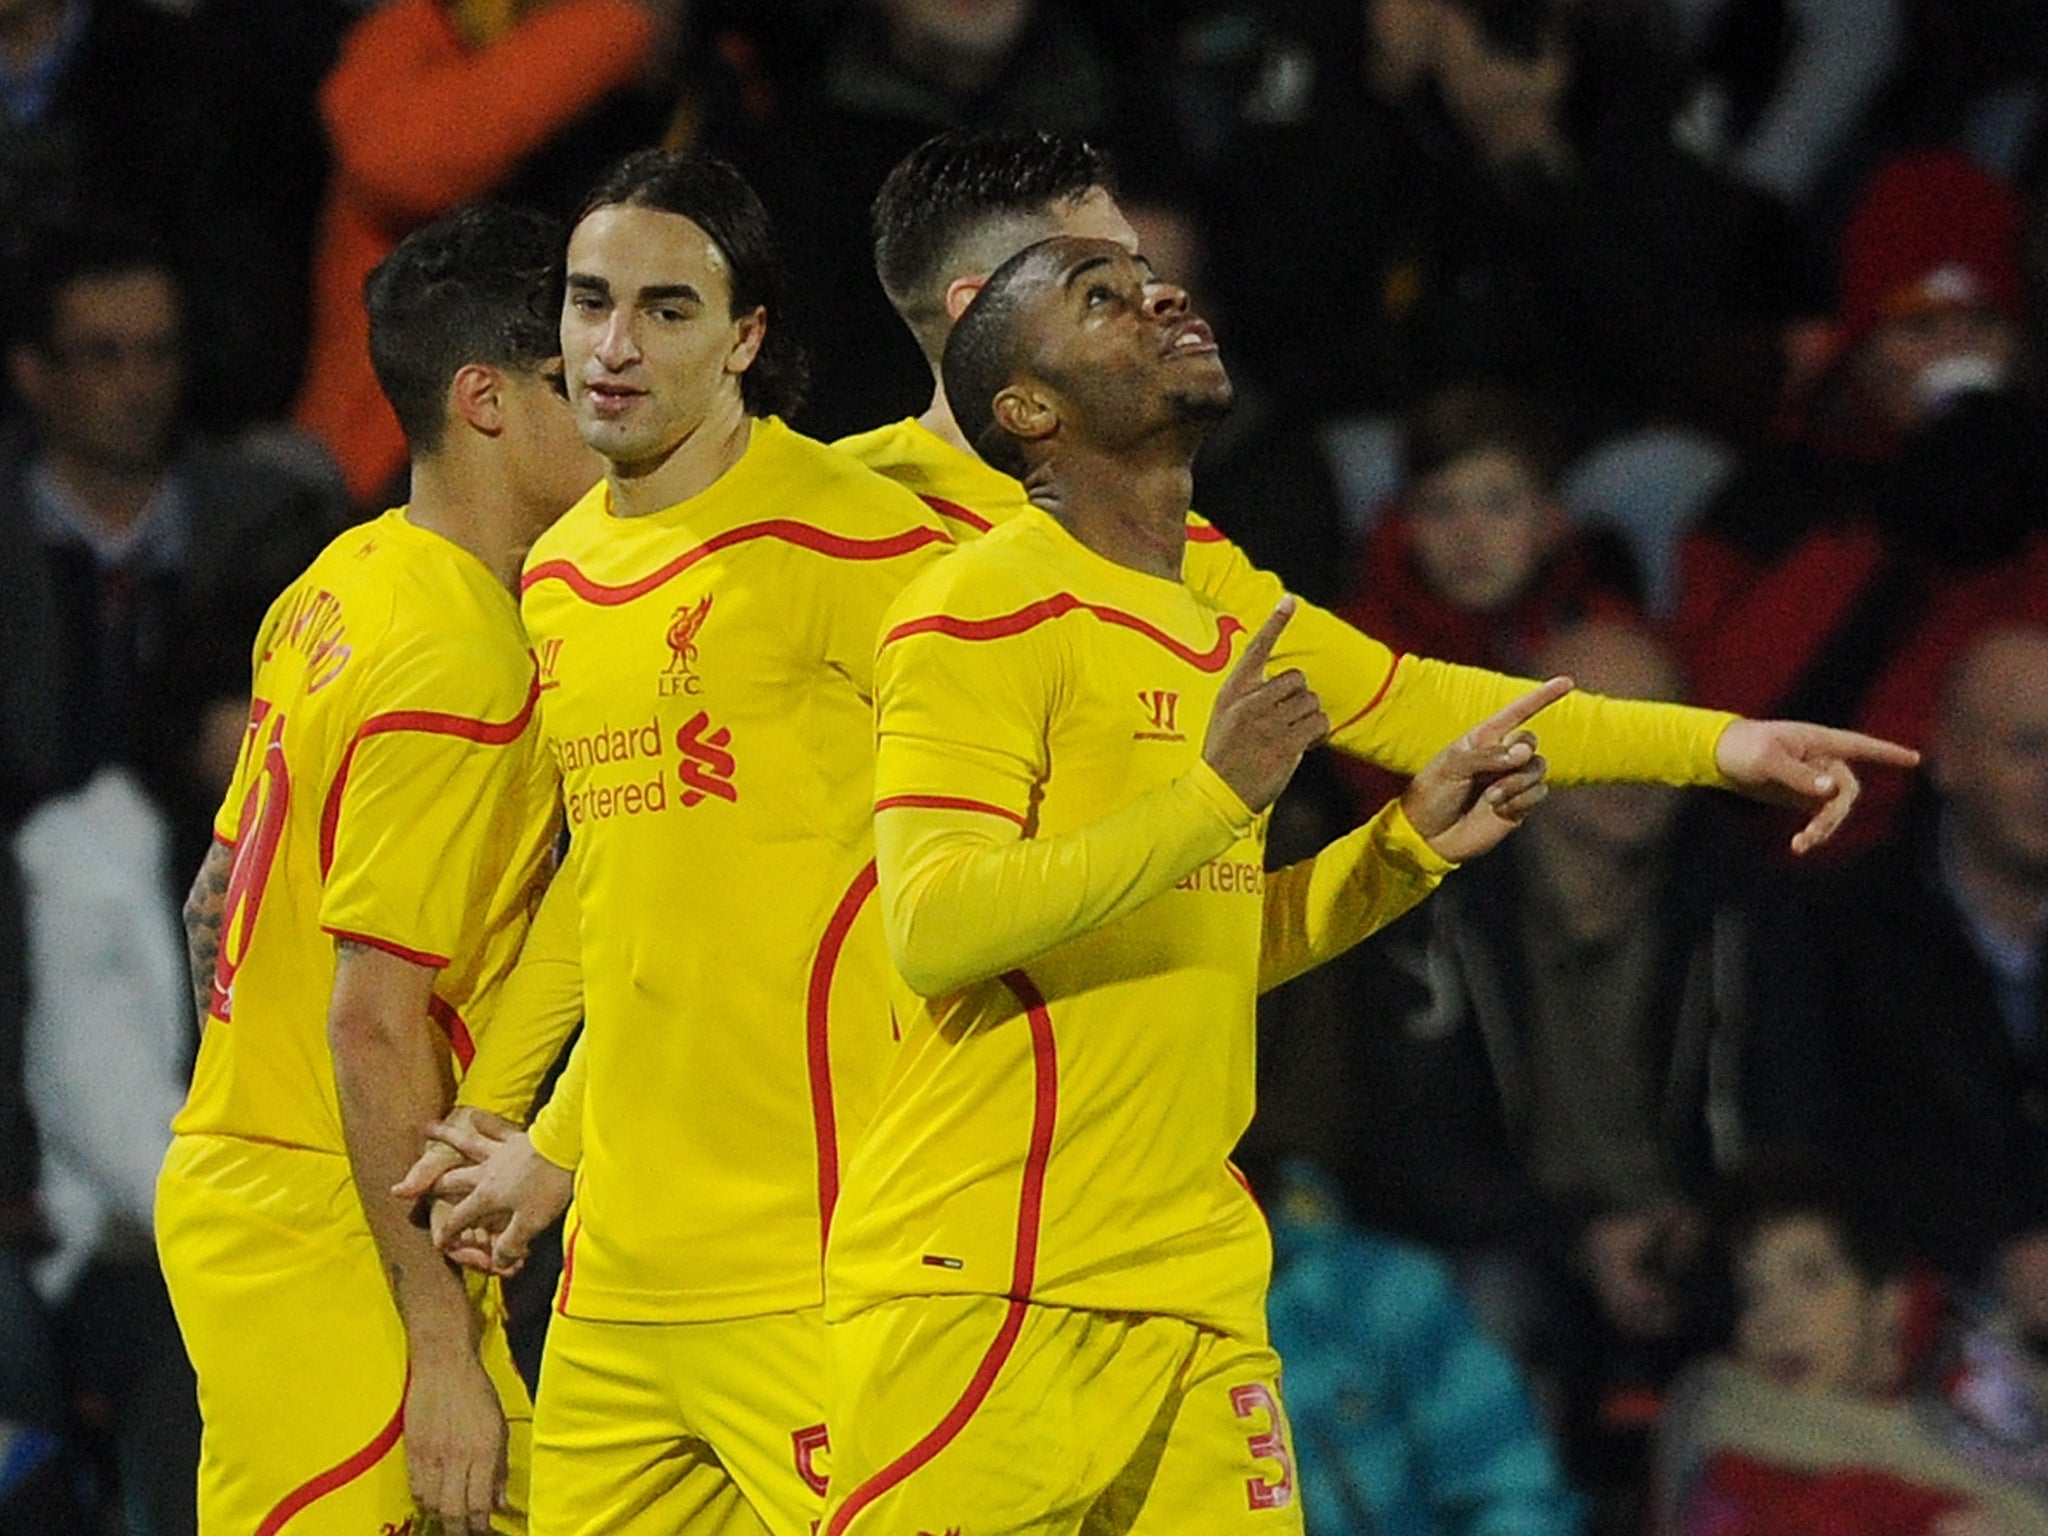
{"x": 836, "y": 546}
{"x": 818, "y": 1040}
{"x": 338, "y": 1475}
{"x": 947, "y": 803}
{"x": 1030, "y": 1206}
{"x": 1045, "y": 1105}
{"x": 568, "y": 1268}
{"x": 1215, "y": 659}
{"x": 489, "y": 733}
{"x": 1373, "y": 703}
{"x": 953, "y": 511}
{"x": 416, "y": 956}
{"x": 1206, "y": 533}
{"x": 941, "y": 1434}
{"x": 460, "y": 1041}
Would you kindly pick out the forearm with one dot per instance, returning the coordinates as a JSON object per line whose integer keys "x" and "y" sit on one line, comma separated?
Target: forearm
{"x": 1317, "y": 909}
{"x": 959, "y": 907}
{"x": 392, "y": 1078}
{"x": 203, "y": 907}
{"x": 536, "y": 1012}
{"x": 1587, "y": 737}
{"x": 557, "y": 1129}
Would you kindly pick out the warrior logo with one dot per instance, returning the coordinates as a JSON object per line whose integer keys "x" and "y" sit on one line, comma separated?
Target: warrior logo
{"x": 680, "y": 676}
{"x": 1161, "y": 706}
{"x": 706, "y": 768}
{"x": 545, "y": 660}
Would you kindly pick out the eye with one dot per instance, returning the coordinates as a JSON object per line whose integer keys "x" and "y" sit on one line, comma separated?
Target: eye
{"x": 1102, "y": 293}
{"x": 585, "y": 303}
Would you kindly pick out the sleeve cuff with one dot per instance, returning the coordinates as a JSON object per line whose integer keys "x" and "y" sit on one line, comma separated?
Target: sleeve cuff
{"x": 1220, "y": 799}
{"x": 1401, "y": 842}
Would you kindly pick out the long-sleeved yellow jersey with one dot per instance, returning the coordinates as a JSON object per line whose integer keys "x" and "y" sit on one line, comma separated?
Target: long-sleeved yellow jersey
{"x": 706, "y": 692}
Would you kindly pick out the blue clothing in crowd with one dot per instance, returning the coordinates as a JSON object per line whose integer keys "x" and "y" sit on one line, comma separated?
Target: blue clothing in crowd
{"x": 1408, "y": 1419}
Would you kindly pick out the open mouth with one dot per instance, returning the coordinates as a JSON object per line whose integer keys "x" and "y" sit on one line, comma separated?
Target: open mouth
{"x": 1192, "y": 338}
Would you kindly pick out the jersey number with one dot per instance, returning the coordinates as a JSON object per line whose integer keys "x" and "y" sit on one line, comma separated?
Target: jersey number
{"x": 257, "y": 831}
{"x": 1252, "y": 1401}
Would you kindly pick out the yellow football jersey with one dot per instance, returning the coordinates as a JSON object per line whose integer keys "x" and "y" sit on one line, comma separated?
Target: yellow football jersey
{"x": 706, "y": 691}
{"x": 390, "y": 790}
{"x": 1382, "y": 707}
{"x": 1059, "y": 1129}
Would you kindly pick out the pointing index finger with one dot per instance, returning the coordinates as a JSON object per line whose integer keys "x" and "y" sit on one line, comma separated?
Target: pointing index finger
{"x": 1521, "y": 711}
{"x": 1251, "y": 665}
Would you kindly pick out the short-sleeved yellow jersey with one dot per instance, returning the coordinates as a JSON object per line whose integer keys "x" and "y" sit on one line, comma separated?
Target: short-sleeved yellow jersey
{"x": 1059, "y": 1129}
{"x": 390, "y": 790}
{"x": 1382, "y": 707}
{"x": 706, "y": 690}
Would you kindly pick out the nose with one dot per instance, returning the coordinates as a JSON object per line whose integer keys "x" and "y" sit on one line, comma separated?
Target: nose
{"x": 617, "y": 345}
{"x": 1164, "y": 300}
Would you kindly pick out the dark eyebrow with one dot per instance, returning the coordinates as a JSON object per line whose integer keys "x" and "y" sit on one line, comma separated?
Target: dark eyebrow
{"x": 656, "y": 293}
{"x": 1081, "y": 269}
{"x": 590, "y": 284}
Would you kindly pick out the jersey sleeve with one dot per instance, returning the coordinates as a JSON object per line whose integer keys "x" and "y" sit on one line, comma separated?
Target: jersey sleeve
{"x": 1397, "y": 711}
{"x": 537, "y": 1010}
{"x": 406, "y": 841}
{"x": 557, "y": 1130}
{"x": 962, "y": 726}
{"x": 1586, "y": 737}
{"x": 1317, "y": 909}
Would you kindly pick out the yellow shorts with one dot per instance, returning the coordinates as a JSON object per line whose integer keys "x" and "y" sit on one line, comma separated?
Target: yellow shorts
{"x": 300, "y": 1354}
{"x": 704, "y": 1429}
{"x": 977, "y": 1414}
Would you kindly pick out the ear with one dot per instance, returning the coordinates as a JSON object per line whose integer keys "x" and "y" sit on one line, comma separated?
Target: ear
{"x": 28, "y": 372}
{"x": 1027, "y": 411}
{"x": 750, "y": 332}
{"x": 476, "y": 395}
{"x": 960, "y": 293}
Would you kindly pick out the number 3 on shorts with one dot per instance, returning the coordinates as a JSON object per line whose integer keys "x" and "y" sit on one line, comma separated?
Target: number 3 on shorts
{"x": 1254, "y": 1402}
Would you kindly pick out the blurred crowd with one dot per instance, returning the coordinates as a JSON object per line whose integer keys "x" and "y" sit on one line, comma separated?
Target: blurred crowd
{"x": 1645, "y": 1178}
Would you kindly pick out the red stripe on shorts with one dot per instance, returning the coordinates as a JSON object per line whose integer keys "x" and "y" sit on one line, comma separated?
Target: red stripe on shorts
{"x": 1030, "y": 1207}
{"x": 338, "y": 1475}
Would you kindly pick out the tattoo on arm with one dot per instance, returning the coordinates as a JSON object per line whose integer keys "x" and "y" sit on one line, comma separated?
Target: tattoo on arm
{"x": 203, "y": 908}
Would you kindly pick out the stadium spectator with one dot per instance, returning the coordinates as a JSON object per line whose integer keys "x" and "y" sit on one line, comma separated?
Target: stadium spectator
{"x": 107, "y": 1046}
{"x": 436, "y": 102}
{"x": 148, "y": 555}
{"x": 1475, "y": 564}
{"x": 1408, "y": 1418}
{"x": 1906, "y": 1003}
{"x": 1805, "y": 1424}
{"x": 1838, "y": 575}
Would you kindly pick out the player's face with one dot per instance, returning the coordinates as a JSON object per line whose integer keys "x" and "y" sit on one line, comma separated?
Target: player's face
{"x": 549, "y": 455}
{"x": 650, "y": 345}
{"x": 1126, "y": 352}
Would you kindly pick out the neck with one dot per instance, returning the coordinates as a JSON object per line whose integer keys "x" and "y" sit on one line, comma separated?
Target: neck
{"x": 2011, "y": 898}
{"x": 689, "y": 468}
{"x": 26, "y": 32}
{"x": 114, "y": 496}
{"x": 1130, "y": 510}
{"x": 467, "y": 504}
{"x": 938, "y": 420}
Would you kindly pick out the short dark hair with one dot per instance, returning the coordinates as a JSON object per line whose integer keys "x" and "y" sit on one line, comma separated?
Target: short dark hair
{"x": 717, "y": 199}
{"x": 81, "y": 252}
{"x": 983, "y": 356}
{"x": 482, "y": 285}
{"x": 1788, "y": 1186}
{"x": 1465, "y": 419}
{"x": 948, "y": 185}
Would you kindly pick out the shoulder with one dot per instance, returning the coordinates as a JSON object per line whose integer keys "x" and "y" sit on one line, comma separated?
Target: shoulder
{"x": 836, "y": 489}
